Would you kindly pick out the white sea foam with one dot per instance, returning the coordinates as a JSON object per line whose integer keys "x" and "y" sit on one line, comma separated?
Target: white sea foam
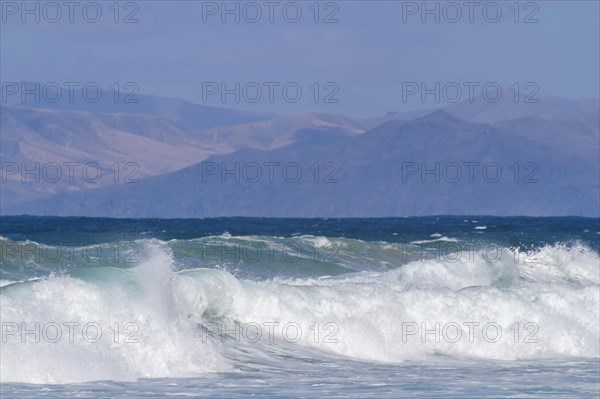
{"x": 441, "y": 238}
{"x": 552, "y": 293}
{"x": 165, "y": 348}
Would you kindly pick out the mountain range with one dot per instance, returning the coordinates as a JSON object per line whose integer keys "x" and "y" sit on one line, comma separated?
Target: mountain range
{"x": 502, "y": 158}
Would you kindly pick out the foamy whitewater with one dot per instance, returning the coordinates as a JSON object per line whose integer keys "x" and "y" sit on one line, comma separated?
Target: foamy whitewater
{"x": 300, "y": 313}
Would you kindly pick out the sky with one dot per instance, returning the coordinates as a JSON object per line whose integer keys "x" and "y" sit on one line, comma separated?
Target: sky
{"x": 358, "y": 58}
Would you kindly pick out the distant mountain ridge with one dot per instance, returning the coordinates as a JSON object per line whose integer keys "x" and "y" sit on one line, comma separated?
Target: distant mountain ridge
{"x": 371, "y": 175}
{"x": 170, "y": 149}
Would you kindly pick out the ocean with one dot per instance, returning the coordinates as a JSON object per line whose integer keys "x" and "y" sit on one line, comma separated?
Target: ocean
{"x": 427, "y": 307}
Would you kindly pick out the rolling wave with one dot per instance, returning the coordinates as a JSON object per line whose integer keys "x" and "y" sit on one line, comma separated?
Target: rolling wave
{"x": 170, "y": 315}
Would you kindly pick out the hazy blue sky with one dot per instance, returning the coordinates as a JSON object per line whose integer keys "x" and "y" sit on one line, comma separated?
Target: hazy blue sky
{"x": 367, "y": 54}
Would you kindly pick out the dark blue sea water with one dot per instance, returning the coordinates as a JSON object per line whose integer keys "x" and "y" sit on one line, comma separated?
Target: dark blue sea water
{"x": 233, "y": 307}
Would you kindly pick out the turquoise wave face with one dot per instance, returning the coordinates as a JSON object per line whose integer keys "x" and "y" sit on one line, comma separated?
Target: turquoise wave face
{"x": 249, "y": 256}
{"x": 259, "y": 249}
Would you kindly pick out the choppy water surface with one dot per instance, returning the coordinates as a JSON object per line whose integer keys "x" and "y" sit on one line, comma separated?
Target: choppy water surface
{"x": 417, "y": 307}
